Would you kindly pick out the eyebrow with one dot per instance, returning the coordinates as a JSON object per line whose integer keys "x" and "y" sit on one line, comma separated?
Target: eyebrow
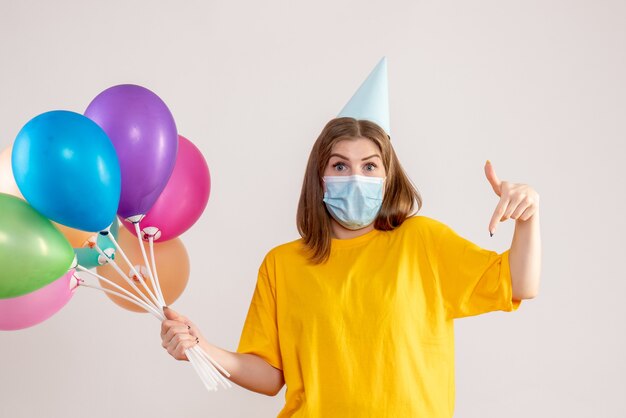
{"x": 346, "y": 158}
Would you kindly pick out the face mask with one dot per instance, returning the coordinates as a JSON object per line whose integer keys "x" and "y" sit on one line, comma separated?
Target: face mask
{"x": 353, "y": 201}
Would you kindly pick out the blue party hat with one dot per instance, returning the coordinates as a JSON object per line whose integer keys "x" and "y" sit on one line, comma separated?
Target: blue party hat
{"x": 371, "y": 100}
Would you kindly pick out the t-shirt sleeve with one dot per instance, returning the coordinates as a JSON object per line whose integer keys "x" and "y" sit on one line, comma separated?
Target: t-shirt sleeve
{"x": 473, "y": 280}
{"x": 260, "y": 330}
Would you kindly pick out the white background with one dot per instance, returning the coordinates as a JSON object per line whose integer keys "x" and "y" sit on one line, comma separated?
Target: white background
{"x": 537, "y": 87}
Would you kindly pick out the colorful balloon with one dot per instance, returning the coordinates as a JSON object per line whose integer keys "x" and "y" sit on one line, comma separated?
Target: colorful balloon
{"x": 172, "y": 264}
{"x": 184, "y": 198}
{"x": 76, "y": 237}
{"x": 142, "y": 129}
{"x": 7, "y": 181}
{"x": 33, "y": 253}
{"x": 89, "y": 257}
{"x": 35, "y": 307}
{"x": 67, "y": 169}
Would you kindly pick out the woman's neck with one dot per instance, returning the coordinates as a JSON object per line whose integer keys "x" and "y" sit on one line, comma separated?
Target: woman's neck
{"x": 339, "y": 232}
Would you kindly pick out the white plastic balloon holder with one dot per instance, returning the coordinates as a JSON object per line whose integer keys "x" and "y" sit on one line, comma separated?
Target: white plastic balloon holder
{"x": 153, "y": 302}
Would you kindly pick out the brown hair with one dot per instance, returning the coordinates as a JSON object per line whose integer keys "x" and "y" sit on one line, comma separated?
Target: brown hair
{"x": 400, "y": 196}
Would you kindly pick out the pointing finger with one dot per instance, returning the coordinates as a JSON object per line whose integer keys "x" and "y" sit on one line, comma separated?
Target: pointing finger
{"x": 497, "y": 215}
{"x": 490, "y": 172}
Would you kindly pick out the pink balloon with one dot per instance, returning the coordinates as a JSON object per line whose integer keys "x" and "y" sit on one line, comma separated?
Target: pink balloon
{"x": 184, "y": 198}
{"x": 35, "y": 307}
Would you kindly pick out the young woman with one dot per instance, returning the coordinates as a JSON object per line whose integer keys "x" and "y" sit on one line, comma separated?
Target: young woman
{"x": 356, "y": 316}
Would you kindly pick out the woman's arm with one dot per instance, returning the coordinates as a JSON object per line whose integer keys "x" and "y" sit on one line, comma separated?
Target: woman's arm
{"x": 520, "y": 202}
{"x": 525, "y": 258}
{"x": 247, "y": 370}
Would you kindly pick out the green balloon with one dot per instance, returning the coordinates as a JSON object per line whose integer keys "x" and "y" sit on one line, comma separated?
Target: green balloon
{"x": 33, "y": 253}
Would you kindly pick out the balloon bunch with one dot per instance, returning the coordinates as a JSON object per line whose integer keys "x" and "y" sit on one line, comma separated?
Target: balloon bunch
{"x": 64, "y": 183}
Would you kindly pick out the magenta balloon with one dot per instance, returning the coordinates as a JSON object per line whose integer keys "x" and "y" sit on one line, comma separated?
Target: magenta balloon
{"x": 144, "y": 135}
{"x": 35, "y": 307}
{"x": 184, "y": 198}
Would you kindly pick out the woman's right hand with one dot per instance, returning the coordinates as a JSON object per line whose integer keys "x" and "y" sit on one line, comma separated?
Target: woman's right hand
{"x": 247, "y": 370}
{"x": 178, "y": 333}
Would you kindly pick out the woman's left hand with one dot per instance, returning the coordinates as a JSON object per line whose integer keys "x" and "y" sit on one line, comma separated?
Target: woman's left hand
{"x": 517, "y": 200}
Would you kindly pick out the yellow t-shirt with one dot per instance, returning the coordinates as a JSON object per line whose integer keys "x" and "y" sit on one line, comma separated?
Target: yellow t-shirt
{"x": 370, "y": 332}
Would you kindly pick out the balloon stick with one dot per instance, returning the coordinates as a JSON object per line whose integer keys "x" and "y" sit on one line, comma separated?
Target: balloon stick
{"x": 147, "y": 264}
{"x": 123, "y": 275}
{"x": 156, "y": 274}
{"x": 130, "y": 265}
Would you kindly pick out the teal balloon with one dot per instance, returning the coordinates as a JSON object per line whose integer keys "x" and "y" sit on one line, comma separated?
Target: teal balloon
{"x": 33, "y": 252}
{"x": 66, "y": 167}
{"x": 89, "y": 257}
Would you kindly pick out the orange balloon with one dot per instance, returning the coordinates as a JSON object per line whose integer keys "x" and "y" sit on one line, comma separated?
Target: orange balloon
{"x": 172, "y": 264}
{"x": 76, "y": 237}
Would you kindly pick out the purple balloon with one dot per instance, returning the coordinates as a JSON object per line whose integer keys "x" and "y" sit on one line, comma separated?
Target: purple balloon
{"x": 143, "y": 132}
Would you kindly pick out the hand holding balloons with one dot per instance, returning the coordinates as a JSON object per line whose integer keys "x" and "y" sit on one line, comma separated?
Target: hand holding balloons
{"x": 122, "y": 158}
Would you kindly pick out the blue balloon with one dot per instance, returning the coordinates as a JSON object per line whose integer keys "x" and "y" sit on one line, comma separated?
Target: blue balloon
{"x": 66, "y": 167}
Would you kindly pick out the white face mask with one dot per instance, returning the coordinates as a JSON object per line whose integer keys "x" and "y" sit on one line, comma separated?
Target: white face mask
{"x": 354, "y": 201}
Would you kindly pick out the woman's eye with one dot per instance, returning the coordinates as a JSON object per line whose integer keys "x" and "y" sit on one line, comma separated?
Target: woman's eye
{"x": 339, "y": 166}
{"x": 370, "y": 167}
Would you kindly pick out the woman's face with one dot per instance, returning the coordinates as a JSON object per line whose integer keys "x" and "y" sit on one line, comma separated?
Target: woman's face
{"x": 355, "y": 156}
